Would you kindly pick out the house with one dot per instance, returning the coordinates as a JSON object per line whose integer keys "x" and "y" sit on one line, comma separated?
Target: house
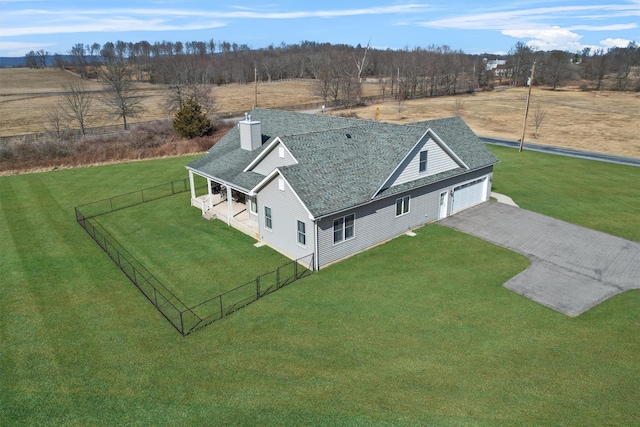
{"x": 330, "y": 186}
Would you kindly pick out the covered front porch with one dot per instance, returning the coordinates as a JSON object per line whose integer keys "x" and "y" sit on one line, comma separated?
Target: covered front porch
{"x": 226, "y": 204}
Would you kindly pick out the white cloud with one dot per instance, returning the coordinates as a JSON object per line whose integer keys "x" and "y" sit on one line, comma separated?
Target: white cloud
{"x": 137, "y": 19}
{"x": 261, "y": 14}
{"x": 548, "y": 38}
{"x": 20, "y": 48}
{"x": 516, "y": 19}
{"x": 614, "y": 27}
{"x": 536, "y": 24}
{"x": 609, "y": 42}
{"x": 110, "y": 25}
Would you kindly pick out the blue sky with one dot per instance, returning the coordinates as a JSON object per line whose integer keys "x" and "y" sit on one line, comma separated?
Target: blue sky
{"x": 472, "y": 26}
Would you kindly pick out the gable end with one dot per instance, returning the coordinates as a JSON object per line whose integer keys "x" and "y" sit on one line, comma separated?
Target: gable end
{"x": 429, "y": 156}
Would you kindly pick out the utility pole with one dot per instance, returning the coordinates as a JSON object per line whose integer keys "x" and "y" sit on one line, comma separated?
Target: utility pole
{"x": 255, "y": 77}
{"x": 526, "y": 109}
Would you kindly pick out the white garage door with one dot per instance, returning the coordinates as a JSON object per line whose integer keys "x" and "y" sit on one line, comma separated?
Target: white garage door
{"x": 468, "y": 194}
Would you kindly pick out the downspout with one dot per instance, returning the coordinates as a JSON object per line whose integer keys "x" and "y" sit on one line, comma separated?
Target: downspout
{"x": 315, "y": 240}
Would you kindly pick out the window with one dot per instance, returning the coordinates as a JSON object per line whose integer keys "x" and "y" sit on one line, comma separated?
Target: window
{"x": 343, "y": 228}
{"x": 302, "y": 234}
{"x": 423, "y": 161}
{"x": 268, "y": 223}
{"x": 254, "y": 205}
{"x": 402, "y": 205}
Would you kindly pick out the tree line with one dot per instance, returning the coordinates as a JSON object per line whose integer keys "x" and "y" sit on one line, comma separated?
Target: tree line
{"x": 430, "y": 71}
{"x": 188, "y": 70}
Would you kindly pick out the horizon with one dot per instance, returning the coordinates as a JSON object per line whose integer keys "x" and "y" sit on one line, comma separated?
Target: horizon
{"x": 483, "y": 28}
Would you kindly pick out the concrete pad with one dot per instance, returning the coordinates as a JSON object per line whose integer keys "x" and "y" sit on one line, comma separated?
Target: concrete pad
{"x": 560, "y": 289}
{"x": 573, "y": 268}
{"x": 501, "y": 198}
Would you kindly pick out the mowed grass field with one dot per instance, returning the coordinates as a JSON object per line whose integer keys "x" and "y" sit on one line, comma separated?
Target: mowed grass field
{"x": 206, "y": 258}
{"x": 594, "y": 121}
{"x": 403, "y": 334}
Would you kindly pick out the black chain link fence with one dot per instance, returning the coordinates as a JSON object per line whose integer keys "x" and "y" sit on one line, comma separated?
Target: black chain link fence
{"x": 183, "y": 318}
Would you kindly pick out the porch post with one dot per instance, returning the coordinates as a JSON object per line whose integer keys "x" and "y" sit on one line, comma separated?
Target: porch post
{"x": 210, "y": 193}
{"x": 193, "y": 190}
{"x": 229, "y": 207}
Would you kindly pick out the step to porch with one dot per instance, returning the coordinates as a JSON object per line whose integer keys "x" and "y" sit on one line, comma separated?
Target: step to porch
{"x": 209, "y": 215}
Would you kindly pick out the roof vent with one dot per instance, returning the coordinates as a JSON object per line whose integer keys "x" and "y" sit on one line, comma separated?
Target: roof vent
{"x": 250, "y": 133}
{"x": 348, "y": 135}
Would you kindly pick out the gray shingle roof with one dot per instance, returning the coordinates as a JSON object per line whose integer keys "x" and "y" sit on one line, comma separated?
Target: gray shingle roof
{"x": 342, "y": 162}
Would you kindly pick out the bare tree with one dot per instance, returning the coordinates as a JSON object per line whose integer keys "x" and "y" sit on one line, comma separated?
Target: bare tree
{"x": 30, "y": 60}
{"x": 79, "y": 59}
{"x": 77, "y": 104}
{"x": 557, "y": 68}
{"x": 56, "y": 124}
{"x": 539, "y": 115}
{"x": 361, "y": 64}
{"x": 187, "y": 77}
{"x": 322, "y": 85}
{"x": 623, "y": 60}
{"x": 122, "y": 97}
{"x": 58, "y": 61}
{"x": 41, "y": 58}
{"x": 519, "y": 61}
{"x": 599, "y": 67}
{"x": 36, "y": 59}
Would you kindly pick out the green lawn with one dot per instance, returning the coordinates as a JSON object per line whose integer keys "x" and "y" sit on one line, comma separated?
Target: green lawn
{"x": 194, "y": 258}
{"x": 597, "y": 195}
{"x": 403, "y": 334}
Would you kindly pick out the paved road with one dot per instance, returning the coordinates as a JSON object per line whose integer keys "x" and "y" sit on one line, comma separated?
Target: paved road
{"x": 630, "y": 161}
{"x": 572, "y": 268}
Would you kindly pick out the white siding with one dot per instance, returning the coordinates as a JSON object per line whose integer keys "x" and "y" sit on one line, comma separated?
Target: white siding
{"x": 273, "y": 160}
{"x": 286, "y": 211}
{"x": 438, "y": 161}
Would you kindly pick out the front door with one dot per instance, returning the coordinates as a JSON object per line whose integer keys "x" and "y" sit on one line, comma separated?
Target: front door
{"x": 442, "y": 212}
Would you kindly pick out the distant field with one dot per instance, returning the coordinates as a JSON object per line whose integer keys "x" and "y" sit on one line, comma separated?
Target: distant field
{"x": 605, "y": 122}
{"x": 595, "y": 121}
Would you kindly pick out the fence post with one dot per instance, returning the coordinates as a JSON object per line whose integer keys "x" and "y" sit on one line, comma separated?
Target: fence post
{"x": 221, "y": 312}
{"x": 258, "y": 287}
{"x": 295, "y": 270}
{"x": 181, "y": 324}
{"x": 172, "y": 190}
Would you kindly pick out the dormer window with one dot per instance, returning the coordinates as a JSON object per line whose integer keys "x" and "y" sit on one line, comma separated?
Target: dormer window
{"x": 423, "y": 161}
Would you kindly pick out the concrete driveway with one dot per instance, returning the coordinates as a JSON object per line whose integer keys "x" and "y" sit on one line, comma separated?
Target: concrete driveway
{"x": 572, "y": 268}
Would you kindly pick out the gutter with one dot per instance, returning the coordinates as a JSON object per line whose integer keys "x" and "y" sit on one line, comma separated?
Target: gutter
{"x": 221, "y": 181}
